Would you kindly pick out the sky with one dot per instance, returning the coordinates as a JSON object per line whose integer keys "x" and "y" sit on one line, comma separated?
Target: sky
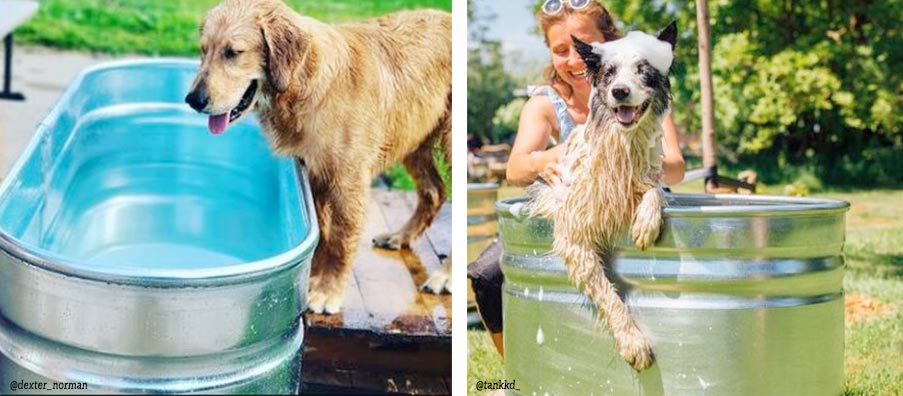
{"x": 513, "y": 27}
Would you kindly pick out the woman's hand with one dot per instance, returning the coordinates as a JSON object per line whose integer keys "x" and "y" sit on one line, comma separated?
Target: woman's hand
{"x": 551, "y": 173}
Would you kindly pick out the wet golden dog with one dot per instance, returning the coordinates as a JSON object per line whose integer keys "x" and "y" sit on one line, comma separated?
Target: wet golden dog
{"x": 348, "y": 100}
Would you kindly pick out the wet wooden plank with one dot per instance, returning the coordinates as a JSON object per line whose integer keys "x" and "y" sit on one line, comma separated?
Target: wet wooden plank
{"x": 357, "y": 313}
{"x": 403, "y": 383}
{"x": 371, "y": 361}
{"x": 417, "y": 319}
{"x": 390, "y": 332}
{"x": 436, "y": 240}
{"x": 431, "y": 249}
{"x": 405, "y": 310}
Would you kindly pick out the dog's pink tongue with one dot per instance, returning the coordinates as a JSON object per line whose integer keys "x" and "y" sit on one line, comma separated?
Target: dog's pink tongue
{"x": 626, "y": 114}
{"x": 218, "y": 123}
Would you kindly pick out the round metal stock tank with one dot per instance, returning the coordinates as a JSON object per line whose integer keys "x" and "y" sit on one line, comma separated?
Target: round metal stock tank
{"x": 740, "y": 296}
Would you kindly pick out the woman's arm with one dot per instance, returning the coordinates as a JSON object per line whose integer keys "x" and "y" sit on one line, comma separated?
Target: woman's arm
{"x": 673, "y": 161}
{"x": 528, "y": 157}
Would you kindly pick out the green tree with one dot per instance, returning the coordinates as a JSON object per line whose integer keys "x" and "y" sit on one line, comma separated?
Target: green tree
{"x": 489, "y": 86}
{"x": 811, "y": 84}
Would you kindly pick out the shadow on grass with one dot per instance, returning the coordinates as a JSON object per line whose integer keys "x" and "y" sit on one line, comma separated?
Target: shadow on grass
{"x": 878, "y": 264}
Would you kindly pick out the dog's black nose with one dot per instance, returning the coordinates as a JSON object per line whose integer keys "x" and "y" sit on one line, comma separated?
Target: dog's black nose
{"x": 620, "y": 91}
{"x": 197, "y": 99}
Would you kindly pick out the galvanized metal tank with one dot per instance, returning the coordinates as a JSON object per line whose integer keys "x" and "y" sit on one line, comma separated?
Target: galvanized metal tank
{"x": 740, "y": 296}
{"x": 140, "y": 254}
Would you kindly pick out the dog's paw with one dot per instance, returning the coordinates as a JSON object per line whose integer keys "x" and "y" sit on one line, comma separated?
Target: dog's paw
{"x": 648, "y": 222}
{"x": 392, "y": 241}
{"x": 645, "y": 231}
{"x": 440, "y": 281}
{"x": 320, "y": 302}
{"x": 635, "y": 349}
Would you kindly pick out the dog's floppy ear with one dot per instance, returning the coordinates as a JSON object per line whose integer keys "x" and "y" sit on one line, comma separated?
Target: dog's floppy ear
{"x": 285, "y": 47}
{"x": 669, "y": 34}
{"x": 590, "y": 58}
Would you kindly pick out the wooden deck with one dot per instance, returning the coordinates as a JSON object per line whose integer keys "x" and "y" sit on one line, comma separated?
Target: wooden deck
{"x": 390, "y": 338}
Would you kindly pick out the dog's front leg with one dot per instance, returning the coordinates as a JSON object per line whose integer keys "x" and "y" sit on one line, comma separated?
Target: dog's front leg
{"x": 647, "y": 221}
{"x": 340, "y": 211}
{"x": 585, "y": 268}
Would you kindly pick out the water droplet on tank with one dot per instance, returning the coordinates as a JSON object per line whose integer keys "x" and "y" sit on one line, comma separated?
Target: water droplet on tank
{"x": 539, "y": 336}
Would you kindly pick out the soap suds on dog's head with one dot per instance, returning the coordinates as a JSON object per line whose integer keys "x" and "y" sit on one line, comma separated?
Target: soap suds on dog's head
{"x": 658, "y": 53}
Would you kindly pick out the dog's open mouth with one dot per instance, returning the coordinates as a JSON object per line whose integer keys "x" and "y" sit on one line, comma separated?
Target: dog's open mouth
{"x": 219, "y": 123}
{"x": 629, "y": 115}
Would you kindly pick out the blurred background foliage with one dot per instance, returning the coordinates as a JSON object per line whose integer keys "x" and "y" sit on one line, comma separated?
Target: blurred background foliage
{"x": 805, "y": 91}
{"x": 489, "y": 85}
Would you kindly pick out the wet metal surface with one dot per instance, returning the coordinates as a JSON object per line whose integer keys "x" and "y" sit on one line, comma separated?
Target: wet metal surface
{"x": 740, "y": 296}
{"x": 139, "y": 253}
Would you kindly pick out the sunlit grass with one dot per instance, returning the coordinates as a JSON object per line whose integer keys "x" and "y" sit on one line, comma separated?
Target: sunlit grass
{"x": 160, "y": 27}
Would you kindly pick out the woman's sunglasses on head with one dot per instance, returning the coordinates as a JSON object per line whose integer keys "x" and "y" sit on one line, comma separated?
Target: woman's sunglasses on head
{"x": 552, "y": 7}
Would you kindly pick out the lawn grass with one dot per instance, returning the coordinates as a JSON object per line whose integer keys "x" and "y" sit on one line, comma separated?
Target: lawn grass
{"x": 874, "y": 267}
{"x": 162, "y": 27}
{"x": 483, "y": 363}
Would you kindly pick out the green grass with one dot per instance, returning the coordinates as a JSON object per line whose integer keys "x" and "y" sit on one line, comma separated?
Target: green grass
{"x": 874, "y": 267}
{"x": 400, "y": 179}
{"x": 483, "y": 363}
{"x": 162, "y": 27}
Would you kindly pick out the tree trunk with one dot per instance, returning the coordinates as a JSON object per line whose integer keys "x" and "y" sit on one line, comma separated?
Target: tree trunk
{"x": 709, "y": 160}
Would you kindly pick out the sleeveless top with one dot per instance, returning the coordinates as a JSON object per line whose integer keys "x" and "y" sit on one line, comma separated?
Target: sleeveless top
{"x": 565, "y": 122}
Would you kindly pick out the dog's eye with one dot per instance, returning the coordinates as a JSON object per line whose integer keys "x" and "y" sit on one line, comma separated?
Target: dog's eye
{"x": 230, "y": 53}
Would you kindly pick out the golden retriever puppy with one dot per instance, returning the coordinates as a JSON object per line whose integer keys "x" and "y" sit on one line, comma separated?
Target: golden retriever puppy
{"x": 348, "y": 100}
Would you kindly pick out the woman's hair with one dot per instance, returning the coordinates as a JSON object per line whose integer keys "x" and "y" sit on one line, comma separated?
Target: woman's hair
{"x": 595, "y": 10}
